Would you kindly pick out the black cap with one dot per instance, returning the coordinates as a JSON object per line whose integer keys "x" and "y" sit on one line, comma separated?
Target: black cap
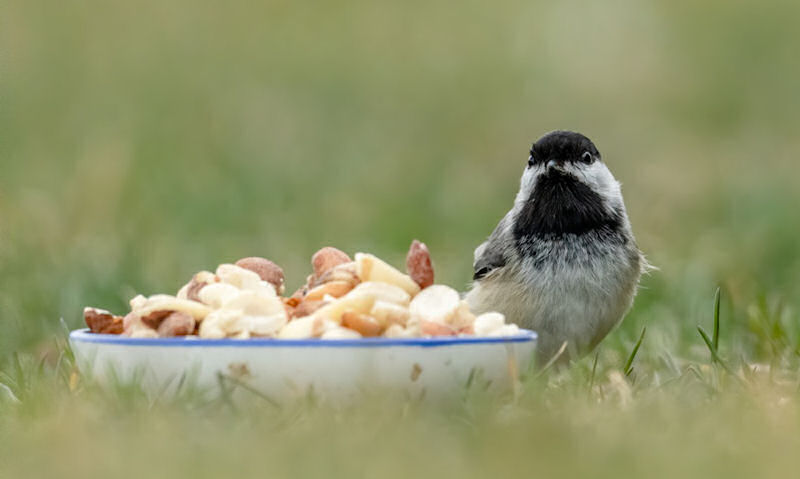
{"x": 562, "y": 146}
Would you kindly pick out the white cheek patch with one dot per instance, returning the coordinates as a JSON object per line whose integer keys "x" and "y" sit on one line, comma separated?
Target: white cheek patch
{"x": 598, "y": 177}
{"x": 607, "y": 186}
{"x": 529, "y": 177}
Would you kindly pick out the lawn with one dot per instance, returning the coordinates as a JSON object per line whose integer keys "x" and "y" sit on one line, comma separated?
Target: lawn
{"x": 143, "y": 141}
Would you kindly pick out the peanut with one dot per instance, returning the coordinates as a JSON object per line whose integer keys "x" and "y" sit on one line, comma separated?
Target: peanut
{"x": 135, "y": 328}
{"x": 389, "y": 313}
{"x": 365, "y": 325}
{"x": 199, "y": 281}
{"x": 431, "y": 328}
{"x": 176, "y": 324}
{"x": 344, "y": 272}
{"x": 337, "y": 289}
{"x": 334, "y": 310}
{"x": 306, "y": 308}
{"x": 154, "y": 319}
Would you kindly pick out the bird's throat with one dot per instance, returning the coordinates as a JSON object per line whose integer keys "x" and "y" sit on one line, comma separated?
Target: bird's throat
{"x": 562, "y": 205}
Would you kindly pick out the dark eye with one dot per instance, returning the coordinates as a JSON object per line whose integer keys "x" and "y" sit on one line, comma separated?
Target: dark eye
{"x": 530, "y": 161}
{"x": 587, "y": 158}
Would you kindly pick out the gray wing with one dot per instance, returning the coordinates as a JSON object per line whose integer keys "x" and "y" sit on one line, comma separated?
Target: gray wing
{"x": 492, "y": 254}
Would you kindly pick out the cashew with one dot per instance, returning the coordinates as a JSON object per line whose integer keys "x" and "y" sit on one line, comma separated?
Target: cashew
{"x": 370, "y": 268}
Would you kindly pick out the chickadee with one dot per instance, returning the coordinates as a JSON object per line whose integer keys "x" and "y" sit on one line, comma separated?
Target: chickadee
{"x": 563, "y": 261}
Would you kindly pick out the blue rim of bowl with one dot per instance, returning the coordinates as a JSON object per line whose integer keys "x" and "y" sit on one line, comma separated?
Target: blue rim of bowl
{"x": 83, "y": 335}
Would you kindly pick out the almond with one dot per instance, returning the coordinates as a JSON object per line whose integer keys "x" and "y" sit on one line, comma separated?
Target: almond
{"x": 326, "y": 259}
{"x": 419, "y": 265}
{"x": 266, "y": 269}
{"x": 101, "y": 321}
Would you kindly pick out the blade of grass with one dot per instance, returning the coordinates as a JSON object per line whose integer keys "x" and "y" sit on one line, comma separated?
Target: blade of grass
{"x": 64, "y": 326}
{"x": 715, "y": 338}
{"x": 594, "y": 371}
{"x": 629, "y": 363}
{"x": 696, "y": 373}
{"x": 237, "y": 382}
{"x": 7, "y": 394}
{"x": 225, "y": 392}
{"x": 553, "y": 360}
{"x": 709, "y": 343}
{"x": 19, "y": 373}
{"x": 714, "y": 356}
{"x": 6, "y": 379}
{"x": 470, "y": 379}
{"x": 670, "y": 363}
{"x": 154, "y": 401}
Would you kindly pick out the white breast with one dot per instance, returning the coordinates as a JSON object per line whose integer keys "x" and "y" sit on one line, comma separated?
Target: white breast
{"x": 568, "y": 293}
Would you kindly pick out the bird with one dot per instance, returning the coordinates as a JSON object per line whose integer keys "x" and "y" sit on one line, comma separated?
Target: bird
{"x": 563, "y": 261}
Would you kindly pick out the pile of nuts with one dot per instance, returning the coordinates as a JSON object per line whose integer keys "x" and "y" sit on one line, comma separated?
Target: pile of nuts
{"x": 344, "y": 298}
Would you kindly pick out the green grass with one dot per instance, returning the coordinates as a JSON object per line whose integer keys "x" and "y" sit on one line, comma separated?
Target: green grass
{"x": 141, "y": 142}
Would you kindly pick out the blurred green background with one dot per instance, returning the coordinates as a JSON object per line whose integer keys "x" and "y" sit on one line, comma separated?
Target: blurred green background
{"x": 143, "y": 141}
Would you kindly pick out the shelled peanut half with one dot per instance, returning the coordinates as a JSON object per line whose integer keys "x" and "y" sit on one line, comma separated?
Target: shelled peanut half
{"x": 343, "y": 298}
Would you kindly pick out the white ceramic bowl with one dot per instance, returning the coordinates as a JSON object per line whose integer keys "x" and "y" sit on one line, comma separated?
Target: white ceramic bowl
{"x": 285, "y": 369}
